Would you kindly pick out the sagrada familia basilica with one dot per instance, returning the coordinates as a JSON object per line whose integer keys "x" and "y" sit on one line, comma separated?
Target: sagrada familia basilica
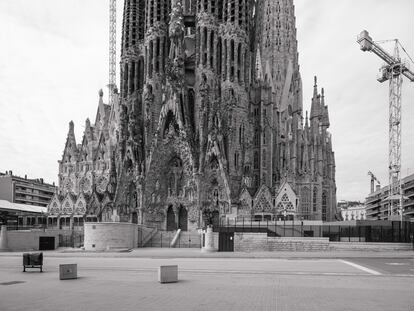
{"x": 208, "y": 123}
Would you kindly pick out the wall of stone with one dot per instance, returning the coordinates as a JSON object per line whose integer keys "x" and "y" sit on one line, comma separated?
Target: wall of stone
{"x": 28, "y": 240}
{"x": 259, "y": 242}
{"x": 367, "y": 246}
{"x": 107, "y": 235}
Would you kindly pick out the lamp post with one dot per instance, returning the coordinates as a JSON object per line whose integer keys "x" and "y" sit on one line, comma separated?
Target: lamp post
{"x": 284, "y": 222}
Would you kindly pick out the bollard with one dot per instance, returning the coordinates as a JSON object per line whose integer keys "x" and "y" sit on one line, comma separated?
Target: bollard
{"x": 68, "y": 271}
{"x": 168, "y": 274}
{"x": 209, "y": 241}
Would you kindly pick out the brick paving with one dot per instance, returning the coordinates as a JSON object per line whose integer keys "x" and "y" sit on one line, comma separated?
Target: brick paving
{"x": 130, "y": 283}
{"x": 152, "y": 252}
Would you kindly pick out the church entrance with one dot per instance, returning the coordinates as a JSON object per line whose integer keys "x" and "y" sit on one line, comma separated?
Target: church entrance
{"x": 134, "y": 217}
{"x": 170, "y": 219}
{"x": 182, "y": 218}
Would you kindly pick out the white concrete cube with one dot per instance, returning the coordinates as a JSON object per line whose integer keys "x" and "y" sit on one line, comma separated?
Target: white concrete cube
{"x": 168, "y": 274}
{"x": 68, "y": 271}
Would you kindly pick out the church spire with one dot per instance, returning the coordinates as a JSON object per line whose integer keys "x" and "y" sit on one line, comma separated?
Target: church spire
{"x": 276, "y": 32}
{"x": 315, "y": 87}
{"x": 259, "y": 66}
{"x": 315, "y": 101}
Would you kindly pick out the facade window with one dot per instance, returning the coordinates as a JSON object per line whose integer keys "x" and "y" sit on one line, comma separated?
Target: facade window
{"x": 256, "y": 160}
{"x": 305, "y": 201}
{"x": 236, "y": 160}
{"x": 315, "y": 195}
{"x": 240, "y": 134}
{"x": 256, "y": 138}
{"x": 324, "y": 205}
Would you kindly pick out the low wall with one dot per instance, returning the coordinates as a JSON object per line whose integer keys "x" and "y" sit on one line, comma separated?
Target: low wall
{"x": 28, "y": 240}
{"x": 101, "y": 236}
{"x": 187, "y": 239}
{"x": 373, "y": 247}
{"x": 259, "y": 242}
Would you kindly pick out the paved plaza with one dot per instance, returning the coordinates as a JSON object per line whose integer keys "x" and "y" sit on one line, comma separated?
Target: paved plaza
{"x": 128, "y": 281}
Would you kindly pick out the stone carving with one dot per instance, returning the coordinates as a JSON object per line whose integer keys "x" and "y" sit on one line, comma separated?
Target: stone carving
{"x": 230, "y": 103}
{"x": 101, "y": 184}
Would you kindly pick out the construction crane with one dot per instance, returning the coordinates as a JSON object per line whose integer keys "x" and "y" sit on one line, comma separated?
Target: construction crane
{"x": 373, "y": 179}
{"x": 112, "y": 51}
{"x": 392, "y": 71}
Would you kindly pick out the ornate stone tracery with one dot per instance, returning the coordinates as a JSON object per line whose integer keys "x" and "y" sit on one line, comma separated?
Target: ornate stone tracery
{"x": 206, "y": 118}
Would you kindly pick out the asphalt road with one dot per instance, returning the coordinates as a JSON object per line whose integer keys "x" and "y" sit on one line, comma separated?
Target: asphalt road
{"x": 130, "y": 283}
{"x": 388, "y": 266}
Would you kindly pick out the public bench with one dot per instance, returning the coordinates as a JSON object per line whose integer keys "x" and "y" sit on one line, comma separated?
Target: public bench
{"x": 33, "y": 260}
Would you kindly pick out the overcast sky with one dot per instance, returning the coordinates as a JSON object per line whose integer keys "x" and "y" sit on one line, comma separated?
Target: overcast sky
{"x": 54, "y": 59}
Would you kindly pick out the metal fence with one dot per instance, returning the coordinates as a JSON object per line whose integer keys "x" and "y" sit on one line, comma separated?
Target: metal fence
{"x": 395, "y": 231}
{"x": 70, "y": 240}
{"x": 33, "y": 227}
{"x": 163, "y": 239}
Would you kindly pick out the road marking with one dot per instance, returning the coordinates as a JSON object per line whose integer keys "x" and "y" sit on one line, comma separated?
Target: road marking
{"x": 397, "y": 264}
{"x": 370, "y": 271}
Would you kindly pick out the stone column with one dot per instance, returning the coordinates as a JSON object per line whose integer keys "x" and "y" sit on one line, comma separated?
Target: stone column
{"x": 3, "y": 239}
{"x": 71, "y": 222}
{"x": 209, "y": 241}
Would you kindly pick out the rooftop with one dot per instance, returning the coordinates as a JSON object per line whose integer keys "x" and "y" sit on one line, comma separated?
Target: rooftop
{"x": 22, "y": 207}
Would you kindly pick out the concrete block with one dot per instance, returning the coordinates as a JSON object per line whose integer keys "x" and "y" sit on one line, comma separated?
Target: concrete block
{"x": 168, "y": 274}
{"x": 68, "y": 271}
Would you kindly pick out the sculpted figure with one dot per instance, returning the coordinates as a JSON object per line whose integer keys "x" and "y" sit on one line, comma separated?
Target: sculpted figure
{"x": 148, "y": 100}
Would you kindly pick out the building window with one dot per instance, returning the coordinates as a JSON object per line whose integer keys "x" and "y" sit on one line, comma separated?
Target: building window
{"x": 256, "y": 160}
{"x": 324, "y": 205}
{"x": 236, "y": 160}
{"x": 256, "y": 138}
{"x": 305, "y": 201}
{"x": 315, "y": 195}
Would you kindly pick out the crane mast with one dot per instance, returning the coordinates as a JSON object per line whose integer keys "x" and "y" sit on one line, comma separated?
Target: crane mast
{"x": 392, "y": 71}
{"x": 112, "y": 51}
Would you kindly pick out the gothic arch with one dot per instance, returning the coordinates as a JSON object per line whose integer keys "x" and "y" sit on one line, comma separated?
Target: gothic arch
{"x": 182, "y": 218}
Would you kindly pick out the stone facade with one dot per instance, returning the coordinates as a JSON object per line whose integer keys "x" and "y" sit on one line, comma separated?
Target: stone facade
{"x": 208, "y": 122}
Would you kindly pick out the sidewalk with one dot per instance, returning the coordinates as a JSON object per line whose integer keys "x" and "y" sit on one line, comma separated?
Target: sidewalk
{"x": 148, "y": 252}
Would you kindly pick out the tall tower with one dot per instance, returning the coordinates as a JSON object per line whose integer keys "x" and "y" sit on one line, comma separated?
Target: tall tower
{"x": 208, "y": 49}
{"x": 235, "y": 80}
{"x": 132, "y": 54}
{"x": 276, "y": 42}
{"x": 156, "y": 53}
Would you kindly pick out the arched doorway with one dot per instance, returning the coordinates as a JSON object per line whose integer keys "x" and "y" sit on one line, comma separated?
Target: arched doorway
{"x": 170, "y": 219}
{"x": 182, "y": 218}
{"x": 134, "y": 217}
